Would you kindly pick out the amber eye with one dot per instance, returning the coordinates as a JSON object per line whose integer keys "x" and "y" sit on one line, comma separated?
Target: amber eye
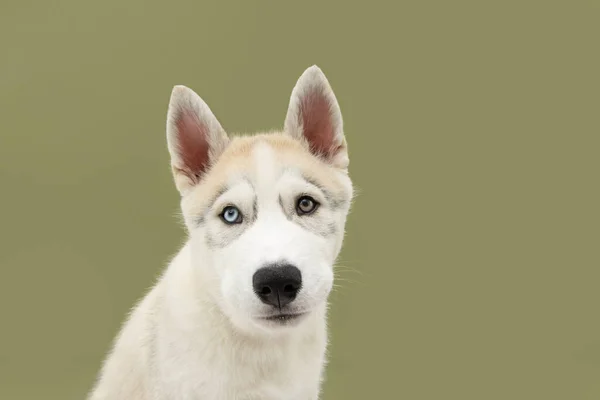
{"x": 306, "y": 205}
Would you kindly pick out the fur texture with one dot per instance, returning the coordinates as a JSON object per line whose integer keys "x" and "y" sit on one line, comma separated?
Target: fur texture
{"x": 204, "y": 331}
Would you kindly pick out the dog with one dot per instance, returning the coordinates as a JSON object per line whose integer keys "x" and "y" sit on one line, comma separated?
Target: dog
{"x": 240, "y": 312}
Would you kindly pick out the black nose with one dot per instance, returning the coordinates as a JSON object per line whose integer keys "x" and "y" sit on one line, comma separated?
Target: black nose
{"x": 277, "y": 285}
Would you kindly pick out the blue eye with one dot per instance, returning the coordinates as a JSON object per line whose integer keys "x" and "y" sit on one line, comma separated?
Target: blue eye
{"x": 231, "y": 215}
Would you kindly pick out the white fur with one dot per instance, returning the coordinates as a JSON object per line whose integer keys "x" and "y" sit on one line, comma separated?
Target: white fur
{"x": 199, "y": 333}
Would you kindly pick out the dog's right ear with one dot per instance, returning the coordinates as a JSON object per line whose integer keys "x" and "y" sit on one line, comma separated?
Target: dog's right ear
{"x": 195, "y": 137}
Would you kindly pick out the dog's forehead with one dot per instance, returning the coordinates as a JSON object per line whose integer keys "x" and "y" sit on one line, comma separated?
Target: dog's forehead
{"x": 265, "y": 167}
{"x": 262, "y": 161}
{"x": 265, "y": 159}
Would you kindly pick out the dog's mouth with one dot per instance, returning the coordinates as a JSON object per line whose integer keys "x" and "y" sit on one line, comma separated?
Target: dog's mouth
{"x": 283, "y": 318}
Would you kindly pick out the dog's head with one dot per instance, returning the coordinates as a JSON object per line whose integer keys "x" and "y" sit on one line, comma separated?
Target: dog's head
{"x": 265, "y": 213}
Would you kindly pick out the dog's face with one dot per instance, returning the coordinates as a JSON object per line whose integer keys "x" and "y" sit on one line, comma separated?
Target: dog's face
{"x": 266, "y": 213}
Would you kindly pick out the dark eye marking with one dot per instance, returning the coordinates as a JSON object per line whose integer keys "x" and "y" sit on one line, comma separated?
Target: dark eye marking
{"x": 332, "y": 199}
{"x": 306, "y": 205}
{"x": 201, "y": 219}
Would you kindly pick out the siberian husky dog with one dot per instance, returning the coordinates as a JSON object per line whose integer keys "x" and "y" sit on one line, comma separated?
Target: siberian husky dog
{"x": 240, "y": 312}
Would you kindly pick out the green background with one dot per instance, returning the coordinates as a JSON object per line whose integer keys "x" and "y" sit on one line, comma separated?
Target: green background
{"x": 471, "y": 264}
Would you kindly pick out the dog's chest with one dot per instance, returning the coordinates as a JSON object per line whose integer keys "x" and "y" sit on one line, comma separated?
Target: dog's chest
{"x": 280, "y": 372}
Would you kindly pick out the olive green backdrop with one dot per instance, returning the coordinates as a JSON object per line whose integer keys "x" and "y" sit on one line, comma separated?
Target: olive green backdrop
{"x": 471, "y": 265}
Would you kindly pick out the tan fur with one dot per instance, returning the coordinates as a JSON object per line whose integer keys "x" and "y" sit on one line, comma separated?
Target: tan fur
{"x": 237, "y": 157}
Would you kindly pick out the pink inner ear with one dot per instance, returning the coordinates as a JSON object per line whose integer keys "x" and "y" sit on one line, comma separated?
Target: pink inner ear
{"x": 192, "y": 144}
{"x": 317, "y": 122}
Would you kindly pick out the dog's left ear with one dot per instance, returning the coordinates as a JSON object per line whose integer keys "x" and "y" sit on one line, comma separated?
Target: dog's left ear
{"x": 314, "y": 117}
